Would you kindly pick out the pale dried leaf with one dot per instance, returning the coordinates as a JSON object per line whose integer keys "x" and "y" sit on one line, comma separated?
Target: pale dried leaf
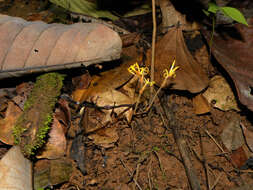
{"x": 232, "y": 136}
{"x": 15, "y": 171}
{"x": 220, "y": 94}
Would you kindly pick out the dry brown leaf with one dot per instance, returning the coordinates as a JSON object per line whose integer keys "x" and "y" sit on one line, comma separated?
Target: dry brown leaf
{"x": 103, "y": 92}
{"x": 239, "y": 157}
{"x": 190, "y": 76}
{"x": 170, "y": 16}
{"x": 7, "y": 124}
{"x": 63, "y": 114}
{"x": 23, "y": 91}
{"x": 248, "y": 136}
{"x": 220, "y": 95}
{"x": 15, "y": 171}
{"x": 233, "y": 47}
{"x": 105, "y": 137}
{"x": 232, "y": 136}
{"x": 56, "y": 144}
{"x": 81, "y": 83}
{"x": 52, "y": 172}
{"x": 200, "y": 104}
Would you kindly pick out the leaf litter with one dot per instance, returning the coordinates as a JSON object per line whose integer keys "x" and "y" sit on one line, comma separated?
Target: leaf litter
{"x": 112, "y": 152}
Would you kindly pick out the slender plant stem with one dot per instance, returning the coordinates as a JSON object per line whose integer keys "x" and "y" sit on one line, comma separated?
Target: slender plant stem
{"x": 157, "y": 92}
{"x": 211, "y": 40}
{"x": 153, "y": 48}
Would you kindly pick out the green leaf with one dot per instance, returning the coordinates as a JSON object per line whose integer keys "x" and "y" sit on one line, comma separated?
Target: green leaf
{"x": 206, "y": 12}
{"x": 84, "y": 7}
{"x": 235, "y": 14}
{"x": 212, "y": 7}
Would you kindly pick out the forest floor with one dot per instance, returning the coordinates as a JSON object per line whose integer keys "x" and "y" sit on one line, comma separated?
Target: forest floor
{"x": 146, "y": 154}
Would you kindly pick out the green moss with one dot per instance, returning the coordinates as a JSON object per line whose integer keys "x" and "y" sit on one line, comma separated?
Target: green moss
{"x": 32, "y": 126}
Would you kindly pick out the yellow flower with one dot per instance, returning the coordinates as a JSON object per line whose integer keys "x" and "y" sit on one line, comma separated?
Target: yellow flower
{"x": 135, "y": 69}
{"x": 147, "y": 82}
{"x": 171, "y": 72}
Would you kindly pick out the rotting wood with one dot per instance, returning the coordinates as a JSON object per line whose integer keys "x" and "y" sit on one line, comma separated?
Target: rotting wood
{"x": 172, "y": 123}
{"x": 32, "y": 126}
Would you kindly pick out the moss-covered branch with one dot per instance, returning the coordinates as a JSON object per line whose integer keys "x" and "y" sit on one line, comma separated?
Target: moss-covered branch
{"x": 32, "y": 126}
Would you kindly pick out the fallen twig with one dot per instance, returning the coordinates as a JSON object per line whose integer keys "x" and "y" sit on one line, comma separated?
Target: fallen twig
{"x": 216, "y": 181}
{"x": 219, "y": 146}
{"x": 130, "y": 174}
{"x": 204, "y": 161}
{"x": 181, "y": 143}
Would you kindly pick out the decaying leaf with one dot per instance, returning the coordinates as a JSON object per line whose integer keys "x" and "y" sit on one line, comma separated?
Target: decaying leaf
{"x": 105, "y": 137}
{"x": 190, "y": 75}
{"x": 28, "y": 47}
{"x": 239, "y": 157}
{"x": 15, "y": 171}
{"x": 63, "y": 114}
{"x": 248, "y": 136}
{"x": 23, "y": 90}
{"x": 103, "y": 91}
{"x": 234, "y": 53}
{"x": 51, "y": 172}
{"x": 77, "y": 152}
{"x": 7, "y": 124}
{"x": 201, "y": 105}
{"x": 244, "y": 187}
{"x": 220, "y": 95}
{"x": 85, "y": 7}
{"x": 170, "y": 16}
{"x": 56, "y": 144}
{"x": 232, "y": 136}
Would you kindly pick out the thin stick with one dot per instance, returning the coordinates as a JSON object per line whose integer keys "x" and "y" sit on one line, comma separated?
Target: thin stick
{"x": 181, "y": 143}
{"x": 207, "y": 132}
{"x": 130, "y": 174}
{"x": 203, "y": 160}
{"x": 160, "y": 162}
{"x": 216, "y": 181}
{"x": 149, "y": 171}
{"x": 153, "y": 48}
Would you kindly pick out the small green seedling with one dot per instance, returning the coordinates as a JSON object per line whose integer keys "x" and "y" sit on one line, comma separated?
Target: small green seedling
{"x": 229, "y": 12}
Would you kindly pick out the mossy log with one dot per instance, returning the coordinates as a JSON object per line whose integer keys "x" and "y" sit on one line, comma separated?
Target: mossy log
{"x": 32, "y": 126}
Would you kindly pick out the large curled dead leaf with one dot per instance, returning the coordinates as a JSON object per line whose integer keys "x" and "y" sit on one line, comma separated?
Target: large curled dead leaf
{"x": 190, "y": 76}
{"x": 28, "y": 47}
{"x": 234, "y": 52}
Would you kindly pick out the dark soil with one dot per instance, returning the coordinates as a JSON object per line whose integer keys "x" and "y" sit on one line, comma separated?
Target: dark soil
{"x": 146, "y": 155}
